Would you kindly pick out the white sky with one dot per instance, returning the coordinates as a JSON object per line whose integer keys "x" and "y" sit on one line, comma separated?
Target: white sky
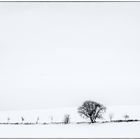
{"x": 60, "y": 54}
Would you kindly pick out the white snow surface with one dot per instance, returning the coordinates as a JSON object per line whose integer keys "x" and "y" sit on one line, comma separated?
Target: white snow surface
{"x": 72, "y": 130}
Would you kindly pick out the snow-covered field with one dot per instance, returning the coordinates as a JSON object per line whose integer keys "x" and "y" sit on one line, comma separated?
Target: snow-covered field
{"x": 72, "y": 130}
{"x": 108, "y": 130}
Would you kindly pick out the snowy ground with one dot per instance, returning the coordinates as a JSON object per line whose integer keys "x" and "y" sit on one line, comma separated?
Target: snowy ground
{"x": 110, "y": 130}
{"x": 73, "y": 130}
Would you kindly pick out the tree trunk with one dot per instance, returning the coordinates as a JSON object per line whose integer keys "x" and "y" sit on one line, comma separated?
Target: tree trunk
{"x": 91, "y": 119}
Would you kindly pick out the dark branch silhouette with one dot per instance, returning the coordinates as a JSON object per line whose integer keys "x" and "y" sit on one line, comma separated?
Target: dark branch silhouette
{"x": 92, "y": 110}
{"x": 66, "y": 119}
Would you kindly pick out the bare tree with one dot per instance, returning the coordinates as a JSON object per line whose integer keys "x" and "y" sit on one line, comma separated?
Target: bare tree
{"x": 66, "y": 119}
{"x": 91, "y": 110}
{"x": 111, "y": 115}
{"x": 126, "y": 117}
{"x": 37, "y": 120}
{"x": 8, "y": 120}
{"x": 22, "y": 119}
{"x": 51, "y": 118}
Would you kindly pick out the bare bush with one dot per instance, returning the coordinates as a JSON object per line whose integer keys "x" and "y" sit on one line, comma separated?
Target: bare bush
{"x": 111, "y": 115}
{"x": 51, "y": 119}
{"x": 22, "y": 119}
{"x": 37, "y": 120}
{"x": 8, "y": 120}
{"x": 126, "y": 117}
{"x": 66, "y": 119}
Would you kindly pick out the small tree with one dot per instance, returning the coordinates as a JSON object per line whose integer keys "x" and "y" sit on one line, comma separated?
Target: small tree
{"x": 66, "y": 119}
{"x": 126, "y": 117}
{"x": 51, "y": 118}
{"x": 91, "y": 110}
{"x": 37, "y": 120}
{"x": 22, "y": 119}
{"x": 111, "y": 115}
{"x": 8, "y": 120}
